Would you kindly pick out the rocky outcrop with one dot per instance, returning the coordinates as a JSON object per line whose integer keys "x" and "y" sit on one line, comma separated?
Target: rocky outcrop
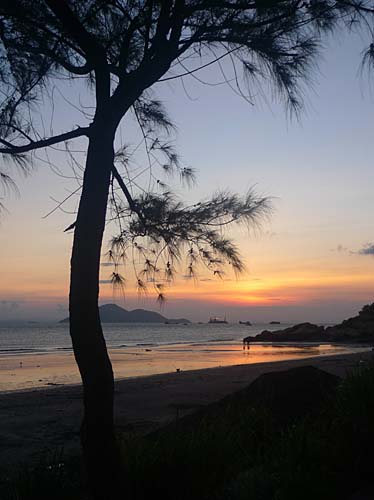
{"x": 360, "y": 328}
{"x": 303, "y": 332}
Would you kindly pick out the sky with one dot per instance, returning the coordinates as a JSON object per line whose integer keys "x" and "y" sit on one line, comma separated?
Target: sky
{"x": 312, "y": 261}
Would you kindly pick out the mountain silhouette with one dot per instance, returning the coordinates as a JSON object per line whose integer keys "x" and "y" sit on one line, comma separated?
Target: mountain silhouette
{"x": 111, "y": 313}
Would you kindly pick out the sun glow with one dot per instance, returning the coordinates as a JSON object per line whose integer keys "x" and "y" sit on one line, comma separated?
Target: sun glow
{"x": 283, "y": 289}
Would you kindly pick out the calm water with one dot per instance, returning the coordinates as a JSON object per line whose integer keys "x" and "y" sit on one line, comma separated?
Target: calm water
{"x": 55, "y": 337}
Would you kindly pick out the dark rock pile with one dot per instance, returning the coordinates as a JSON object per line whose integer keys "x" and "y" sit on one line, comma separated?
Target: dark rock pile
{"x": 360, "y": 328}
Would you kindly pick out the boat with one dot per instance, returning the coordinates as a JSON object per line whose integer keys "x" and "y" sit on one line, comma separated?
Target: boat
{"x": 215, "y": 320}
{"x": 248, "y": 323}
{"x": 274, "y": 323}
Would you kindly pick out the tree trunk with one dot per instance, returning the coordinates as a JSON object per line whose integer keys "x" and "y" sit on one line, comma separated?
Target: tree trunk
{"x": 97, "y": 431}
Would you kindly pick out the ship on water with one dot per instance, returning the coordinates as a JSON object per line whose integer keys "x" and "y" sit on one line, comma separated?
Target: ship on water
{"x": 219, "y": 321}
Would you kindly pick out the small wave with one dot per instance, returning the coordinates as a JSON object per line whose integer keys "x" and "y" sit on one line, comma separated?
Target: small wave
{"x": 213, "y": 351}
{"x": 222, "y": 340}
{"x": 208, "y": 343}
{"x": 19, "y": 350}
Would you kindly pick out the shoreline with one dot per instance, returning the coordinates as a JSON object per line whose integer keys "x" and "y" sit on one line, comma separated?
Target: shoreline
{"x": 48, "y": 418}
{"x": 33, "y": 371}
{"x": 359, "y": 350}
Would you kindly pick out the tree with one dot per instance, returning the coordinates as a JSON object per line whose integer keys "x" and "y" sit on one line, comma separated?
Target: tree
{"x": 121, "y": 48}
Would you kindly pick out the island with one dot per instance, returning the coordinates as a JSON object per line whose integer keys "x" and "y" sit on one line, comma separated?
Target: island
{"x": 360, "y": 328}
{"x": 111, "y": 313}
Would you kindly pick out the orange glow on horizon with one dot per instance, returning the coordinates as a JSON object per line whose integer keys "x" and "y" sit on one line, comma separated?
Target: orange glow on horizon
{"x": 279, "y": 281}
{"x": 280, "y": 290}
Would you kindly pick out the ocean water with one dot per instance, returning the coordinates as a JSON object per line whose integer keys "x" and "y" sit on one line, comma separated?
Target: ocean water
{"x": 54, "y": 337}
{"x": 44, "y": 338}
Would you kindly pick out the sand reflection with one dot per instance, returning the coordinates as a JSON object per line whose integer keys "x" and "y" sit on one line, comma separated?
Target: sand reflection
{"x": 28, "y": 371}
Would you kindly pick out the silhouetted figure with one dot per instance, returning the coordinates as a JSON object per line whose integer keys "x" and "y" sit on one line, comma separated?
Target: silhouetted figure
{"x": 246, "y": 342}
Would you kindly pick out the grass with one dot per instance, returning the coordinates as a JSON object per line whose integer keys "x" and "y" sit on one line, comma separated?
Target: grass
{"x": 326, "y": 458}
{"x": 236, "y": 451}
{"x": 52, "y": 477}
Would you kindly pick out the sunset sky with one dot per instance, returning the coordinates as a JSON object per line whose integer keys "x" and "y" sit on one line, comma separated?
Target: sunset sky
{"x": 313, "y": 261}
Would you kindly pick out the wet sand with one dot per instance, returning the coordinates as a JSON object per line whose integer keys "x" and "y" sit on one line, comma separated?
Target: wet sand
{"x": 46, "y": 419}
{"x": 30, "y": 371}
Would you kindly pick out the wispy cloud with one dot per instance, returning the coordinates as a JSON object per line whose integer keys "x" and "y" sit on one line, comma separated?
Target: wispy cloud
{"x": 340, "y": 249}
{"x": 367, "y": 249}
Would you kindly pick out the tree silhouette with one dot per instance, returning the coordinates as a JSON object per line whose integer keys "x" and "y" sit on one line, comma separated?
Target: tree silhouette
{"x": 121, "y": 48}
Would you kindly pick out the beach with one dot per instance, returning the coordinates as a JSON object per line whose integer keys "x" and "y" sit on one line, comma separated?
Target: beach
{"x": 24, "y": 368}
{"x": 48, "y": 419}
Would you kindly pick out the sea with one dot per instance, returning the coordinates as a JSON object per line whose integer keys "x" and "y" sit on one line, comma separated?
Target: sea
{"x": 41, "y": 338}
{"x": 38, "y": 338}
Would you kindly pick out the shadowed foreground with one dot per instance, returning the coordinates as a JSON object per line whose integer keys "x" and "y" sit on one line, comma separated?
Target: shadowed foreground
{"x": 44, "y": 420}
{"x": 291, "y": 432}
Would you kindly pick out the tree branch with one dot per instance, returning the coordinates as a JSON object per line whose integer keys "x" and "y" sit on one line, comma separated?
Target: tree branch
{"x": 125, "y": 191}
{"x": 75, "y": 28}
{"x": 127, "y": 194}
{"x": 95, "y": 52}
{"x": 52, "y": 54}
{"x": 43, "y": 143}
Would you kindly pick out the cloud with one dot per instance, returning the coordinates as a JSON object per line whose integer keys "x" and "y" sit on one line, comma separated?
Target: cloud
{"x": 367, "y": 249}
{"x": 340, "y": 249}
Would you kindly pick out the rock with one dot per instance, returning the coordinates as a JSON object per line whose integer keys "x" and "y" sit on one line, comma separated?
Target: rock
{"x": 282, "y": 396}
{"x": 290, "y": 394}
{"x": 358, "y": 328}
{"x": 303, "y": 332}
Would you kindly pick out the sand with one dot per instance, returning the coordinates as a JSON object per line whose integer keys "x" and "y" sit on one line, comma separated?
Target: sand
{"x": 47, "y": 419}
{"x": 30, "y": 371}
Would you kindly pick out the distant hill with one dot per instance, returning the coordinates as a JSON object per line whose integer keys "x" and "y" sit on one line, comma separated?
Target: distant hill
{"x": 111, "y": 313}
